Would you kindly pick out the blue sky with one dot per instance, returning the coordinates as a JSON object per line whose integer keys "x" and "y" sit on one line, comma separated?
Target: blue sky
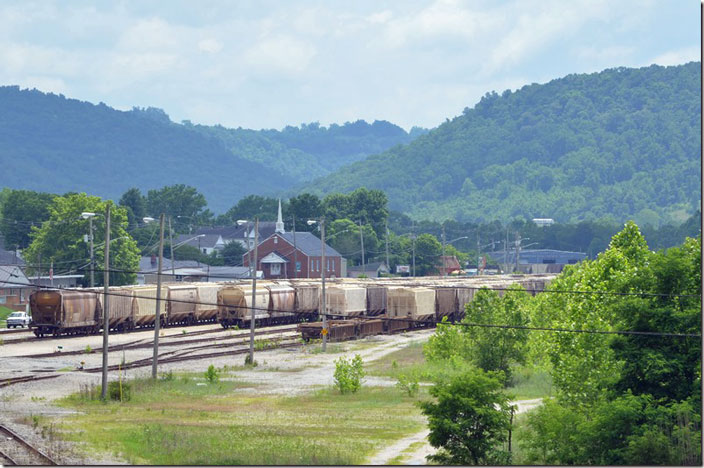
{"x": 267, "y": 64}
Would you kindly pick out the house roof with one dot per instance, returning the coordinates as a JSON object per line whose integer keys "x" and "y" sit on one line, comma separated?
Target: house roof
{"x": 208, "y": 241}
{"x": 309, "y": 244}
{"x": 145, "y": 264}
{"x": 266, "y": 229}
{"x": 372, "y": 266}
{"x": 12, "y": 276}
{"x": 8, "y": 257}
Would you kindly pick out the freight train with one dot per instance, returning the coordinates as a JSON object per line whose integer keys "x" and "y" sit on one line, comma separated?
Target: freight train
{"x": 396, "y": 302}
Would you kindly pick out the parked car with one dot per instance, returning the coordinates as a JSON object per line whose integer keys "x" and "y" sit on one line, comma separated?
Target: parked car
{"x": 18, "y": 319}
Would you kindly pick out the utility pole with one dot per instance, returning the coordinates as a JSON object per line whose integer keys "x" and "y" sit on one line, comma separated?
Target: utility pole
{"x": 518, "y": 248}
{"x": 322, "y": 277}
{"x": 171, "y": 246}
{"x": 388, "y": 265}
{"x": 254, "y": 292}
{"x": 106, "y": 300}
{"x": 157, "y": 318}
{"x": 442, "y": 262}
{"x": 295, "y": 253}
{"x": 92, "y": 258}
{"x": 413, "y": 238}
{"x": 479, "y": 255}
{"x": 361, "y": 240}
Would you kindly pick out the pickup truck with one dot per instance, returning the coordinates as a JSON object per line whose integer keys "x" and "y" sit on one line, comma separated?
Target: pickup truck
{"x": 18, "y": 319}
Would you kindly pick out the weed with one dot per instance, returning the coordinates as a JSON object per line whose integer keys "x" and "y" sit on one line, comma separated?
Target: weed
{"x": 248, "y": 362}
{"x": 88, "y": 349}
{"x": 35, "y": 421}
{"x": 348, "y": 374}
{"x": 2, "y": 342}
{"x": 212, "y": 374}
{"x": 119, "y": 391}
{"x": 167, "y": 376}
{"x": 183, "y": 332}
{"x": 261, "y": 345}
{"x": 36, "y": 398}
{"x": 394, "y": 364}
{"x": 408, "y": 384}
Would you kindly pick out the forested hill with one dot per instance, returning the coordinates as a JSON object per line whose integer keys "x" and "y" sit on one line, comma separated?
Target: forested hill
{"x": 623, "y": 143}
{"x": 309, "y": 151}
{"x": 53, "y": 144}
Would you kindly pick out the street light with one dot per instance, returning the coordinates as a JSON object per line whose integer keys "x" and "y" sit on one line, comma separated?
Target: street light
{"x": 253, "y": 273}
{"x": 323, "y": 307}
{"x": 444, "y": 243}
{"x": 89, "y": 216}
{"x": 157, "y": 318}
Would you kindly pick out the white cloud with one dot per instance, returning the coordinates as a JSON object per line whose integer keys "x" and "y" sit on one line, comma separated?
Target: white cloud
{"x": 211, "y": 46}
{"x": 678, "y": 57}
{"x": 149, "y": 34}
{"x": 280, "y": 54}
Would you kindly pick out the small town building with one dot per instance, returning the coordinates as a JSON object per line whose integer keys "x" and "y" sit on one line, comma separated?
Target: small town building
{"x": 449, "y": 265}
{"x": 244, "y": 234}
{"x": 371, "y": 270}
{"x": 15, "y": 287}
{"x": 57, "y": 281}
{"x": 295, "y": 255}
{"x": 205, "y": 243}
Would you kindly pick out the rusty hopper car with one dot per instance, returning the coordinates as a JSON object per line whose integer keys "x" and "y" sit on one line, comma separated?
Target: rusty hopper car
{"x": 346, "y": 301}
{"x": 64, "y": 312}
{"x": 119, "y": 307}
{"x": 207, "y": 309}
{"x": 465, "y": 295}
{"x": 282, "y": 303}
{"x": 181, "y": 305}
{"x": 144, "y": 310}
{"x": 376, "y": 300}
{"x": 446, "y": 304}
{"x": 234, "y": 302}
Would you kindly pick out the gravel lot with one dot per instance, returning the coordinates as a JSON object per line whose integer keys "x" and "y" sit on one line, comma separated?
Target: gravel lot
{"x": 282, "y": 371}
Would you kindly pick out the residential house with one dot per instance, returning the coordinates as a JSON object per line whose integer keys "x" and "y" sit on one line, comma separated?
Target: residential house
{"x": 243, "y": 234}
{"x": 205, "y": 243}
{"x": 15, "y": 287}
{"x": 371, "y": 270}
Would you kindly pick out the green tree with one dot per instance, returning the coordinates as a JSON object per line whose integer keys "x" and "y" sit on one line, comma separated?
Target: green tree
{"x": 21, "y": 210}
{"x": 61, "y": 239}
{"x": 303, "y": 207}
{"x": 136, "y": 206}
{"x": 232, "y": 253}
{"x": 469, "y": 421}
{"x": 496, "y": 349}
{"x": 343, "y": 235}
{"x": 428, "y": 252}
{"x": 251, "y": 206}
{"x": 183, "y": 203}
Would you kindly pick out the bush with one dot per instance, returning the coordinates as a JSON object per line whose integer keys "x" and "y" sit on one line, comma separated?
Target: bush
{"x": 408, "y": 385}
{"x": 212, "y": 374}
{"x": 119, "y": 391}
{"x": 348, "y": 374}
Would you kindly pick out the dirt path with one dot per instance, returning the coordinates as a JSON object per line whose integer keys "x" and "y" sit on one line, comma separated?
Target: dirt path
{"x": 413, "y": 449}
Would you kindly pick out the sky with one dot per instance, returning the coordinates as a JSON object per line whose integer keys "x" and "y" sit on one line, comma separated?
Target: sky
{"x": 268, "y": 64}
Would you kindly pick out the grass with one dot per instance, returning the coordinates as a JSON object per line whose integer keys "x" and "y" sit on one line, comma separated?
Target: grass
{"x": 179, "y": 422}
{"x": 527, "y": 383}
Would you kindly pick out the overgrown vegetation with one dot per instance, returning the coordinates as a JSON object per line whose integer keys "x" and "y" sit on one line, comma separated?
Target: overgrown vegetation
{"x": 179, "y": 422}
{"x": 348, "y": 374}
{"x": 619, "y": 399}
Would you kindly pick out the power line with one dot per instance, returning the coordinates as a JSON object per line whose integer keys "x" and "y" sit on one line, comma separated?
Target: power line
{"x": 418, "y": 321}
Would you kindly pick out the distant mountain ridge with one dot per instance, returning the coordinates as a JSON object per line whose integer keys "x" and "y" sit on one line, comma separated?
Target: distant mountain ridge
{"x": 54, "y": 144}
{"x": 622, "y": 143}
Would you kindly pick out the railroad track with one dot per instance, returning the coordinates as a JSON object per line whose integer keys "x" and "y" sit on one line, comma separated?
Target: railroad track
{"x": 148, "y": 342}
{"x": 14, "y": 450}
{"x": 25, "y": 378}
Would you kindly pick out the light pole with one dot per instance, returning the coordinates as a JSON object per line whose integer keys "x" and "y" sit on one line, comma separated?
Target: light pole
{"x": 106, "y": 299}
{"x": 361, "y": 240}
{"x": 253, "y": 269}
{"x": 323, "y": 306}
{"x": 89, "y": 216}
{"x": 444, "y": 268}
{"x": 157, "y": 318}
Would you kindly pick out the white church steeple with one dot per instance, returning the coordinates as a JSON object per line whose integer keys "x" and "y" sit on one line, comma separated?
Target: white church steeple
{"x": 280, "y": 221}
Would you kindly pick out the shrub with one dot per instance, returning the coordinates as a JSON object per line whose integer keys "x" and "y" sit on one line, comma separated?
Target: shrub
{"x": 348, "y": 374}
{"x": 119, "y": 391}
{"x": 88, "y": 349}
{"x": 408, "y": 385}
{"x": 212, "y": 374}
